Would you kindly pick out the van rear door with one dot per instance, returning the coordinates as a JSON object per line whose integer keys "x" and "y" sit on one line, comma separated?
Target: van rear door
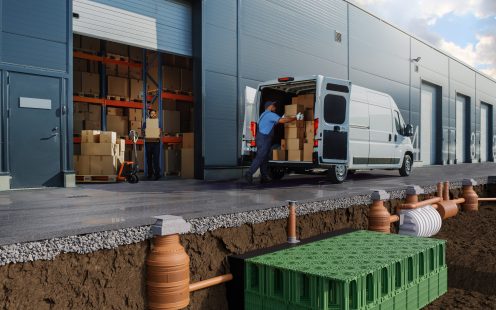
{"x": 334, "y": 121}
{"x": 250, "y": 121}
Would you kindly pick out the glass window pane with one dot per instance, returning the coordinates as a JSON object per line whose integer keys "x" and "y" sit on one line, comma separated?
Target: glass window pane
{"x": 334, "y": 109}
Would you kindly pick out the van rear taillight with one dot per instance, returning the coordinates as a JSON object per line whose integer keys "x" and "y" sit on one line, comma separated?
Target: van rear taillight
{"x": 286, "y": 79}
{"x": 315, "y": 126}
{"x": 253, "y": 129}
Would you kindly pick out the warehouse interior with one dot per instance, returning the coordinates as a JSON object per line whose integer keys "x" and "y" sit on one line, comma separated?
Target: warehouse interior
{"x": 112, "y": 82}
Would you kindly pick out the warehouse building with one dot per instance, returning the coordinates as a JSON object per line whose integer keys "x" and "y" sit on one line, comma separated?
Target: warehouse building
{"x": 67, "y": 65}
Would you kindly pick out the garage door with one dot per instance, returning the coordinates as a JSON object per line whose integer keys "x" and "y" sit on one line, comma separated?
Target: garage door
{"x": 163, "y": 25}
{"x": 428, "y": 124}
{"x": 484, "y": 134}
{"x": 461, "y": 129}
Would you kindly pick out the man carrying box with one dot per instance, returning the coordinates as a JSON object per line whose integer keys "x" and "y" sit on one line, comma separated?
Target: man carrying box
{"x": 152, "y": 146}
{"x": 265, "y": 133}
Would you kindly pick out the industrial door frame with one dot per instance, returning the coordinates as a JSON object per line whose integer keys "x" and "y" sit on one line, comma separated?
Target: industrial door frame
{"x": 437, "y": 110}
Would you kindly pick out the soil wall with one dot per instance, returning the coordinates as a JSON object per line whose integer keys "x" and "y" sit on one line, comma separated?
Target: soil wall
{"x": 114, "y": 279}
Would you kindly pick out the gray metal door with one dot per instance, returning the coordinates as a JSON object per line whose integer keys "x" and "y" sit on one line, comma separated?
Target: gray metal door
{"x": 34, "y": 131}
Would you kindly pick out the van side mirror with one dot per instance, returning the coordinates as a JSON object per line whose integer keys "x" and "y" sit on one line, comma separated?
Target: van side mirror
{"x": 408, "y": 130}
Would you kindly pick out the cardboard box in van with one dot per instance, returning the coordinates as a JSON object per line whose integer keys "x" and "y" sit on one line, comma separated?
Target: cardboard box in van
{"x": 283, "y": 144}
{"x": 309, "y": 130}
{"x": 278, "y": 155}
{"x": 293, "y": 109}
{"x": 294, "y": 133}
{"x": 309, "y": 115}
{"x": 294, "y": 144}
{"x": 307, "y": 151}
{"x": 299, "y": 124}
{"x": 295, "y": 155}
{"x": 306, "y": 101}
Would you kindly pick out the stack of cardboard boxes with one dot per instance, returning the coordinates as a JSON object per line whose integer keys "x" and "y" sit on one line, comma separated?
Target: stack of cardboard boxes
{"x": 86, "y": 116}
{"x": 297, "y": 144}
{"x": 117, "y": 121}
{"x": 101, "y": 153}
{"x": 187, "y": 156}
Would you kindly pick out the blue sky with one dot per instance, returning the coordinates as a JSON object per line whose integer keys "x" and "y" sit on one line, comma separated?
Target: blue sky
{"x": 465, "y": 29}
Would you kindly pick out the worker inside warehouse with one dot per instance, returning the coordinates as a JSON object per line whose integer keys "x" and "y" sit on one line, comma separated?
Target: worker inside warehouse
{"x": 265, "y": 133}
{"x": 152, "y": 133}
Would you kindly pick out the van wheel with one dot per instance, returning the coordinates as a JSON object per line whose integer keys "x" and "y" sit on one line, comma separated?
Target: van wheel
{"x": 337, "y": 174}
{"x": 406, "y": 168}
{"x": 276, "y": 173}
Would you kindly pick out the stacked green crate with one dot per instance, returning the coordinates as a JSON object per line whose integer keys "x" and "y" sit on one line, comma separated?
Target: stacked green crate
{"x": 358, "y": 270}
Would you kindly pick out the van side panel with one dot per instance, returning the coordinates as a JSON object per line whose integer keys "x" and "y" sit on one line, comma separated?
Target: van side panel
{"x": 359, "y": 134}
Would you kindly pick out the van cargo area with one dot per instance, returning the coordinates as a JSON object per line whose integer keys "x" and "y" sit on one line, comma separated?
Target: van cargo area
{"x": 293, "y": 142}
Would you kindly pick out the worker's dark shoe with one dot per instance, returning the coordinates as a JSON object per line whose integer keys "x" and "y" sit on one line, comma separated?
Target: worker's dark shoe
{"x": 265, "y": 180}
{"x": 157, "y": 177}
{"x": 248, "y": 178}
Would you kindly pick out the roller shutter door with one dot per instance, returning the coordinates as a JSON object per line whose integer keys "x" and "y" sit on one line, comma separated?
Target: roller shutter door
{"x": 163, "y": 25}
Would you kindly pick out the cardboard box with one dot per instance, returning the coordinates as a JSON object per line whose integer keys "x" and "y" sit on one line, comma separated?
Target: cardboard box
{"x": 136, "y": 89}
{"x": 92, "y": 125}
{"x": 90, "y": 83}
{"x": 293, "y": 109}
{"x": 108, "y": 149}
{"x": 83, "y": 165}
{"x": 187, "y": 163}
{"x": 283, "y": 144}
{"x": 171, "y": 78}
{"x": 89, "y": 43}
{"x": 135, "y": 53}
{"x": 136, "y": 126}
{"x": 188, "y": 140}
{"x": 123, "y": 71}
{"x": 80, "y": 65}
{"x": 309, "y": 130}
{"x": 115, "y": 111}
{"x": 93, "y": 67}
{"x": 90, "y": 136}
{"x": 307, "y": 101}
{"x": 95, "y": 108}
{"x": 294, "y": 144}
{"x": 79, "y": 116}
{"x": 117, "y": 86}
{"x": 95, "y": 116}
{"x": 294, "y": 132}
{"x": 80, "y": 107}
{"x": 186, "y": 80}
{"x": 169, "y": 104}
{"x": 295, "y": 124}
{"x": 171, "y": 121}
{"x": 279, "y": 155}
{"x": 295, "y": 155}
{"x": 136, "y": 74}
{"x": 307, "y": 151}
{"x": 121, "y": 146}
{"x": 103, "y": 165}
{"x": 108, "y": 137}
{"x": 152, "y": 123}
{"x": 118, "y": 124}
{"x": 152, "y": 131}
{"x": 77, "y": 126}
{"x": 77, "y": 82}
{"x": 116, "y": 48}
{"x": 135, "y": 114}
{"x": 172, "y": 160}
{"x": 309, "y": 115}
{"x": 111, "y": 69}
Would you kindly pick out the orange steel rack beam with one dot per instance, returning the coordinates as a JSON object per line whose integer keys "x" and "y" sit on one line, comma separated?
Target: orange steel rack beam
{"x": 167, "y": 139}
{"x": 107, "y": 60}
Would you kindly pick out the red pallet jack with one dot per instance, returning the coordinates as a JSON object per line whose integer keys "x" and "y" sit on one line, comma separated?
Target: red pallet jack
{"x": 129, "y": 169}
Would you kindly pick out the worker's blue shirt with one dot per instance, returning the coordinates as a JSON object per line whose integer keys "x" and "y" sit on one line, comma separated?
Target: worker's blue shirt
{"x": 267, "y": 121}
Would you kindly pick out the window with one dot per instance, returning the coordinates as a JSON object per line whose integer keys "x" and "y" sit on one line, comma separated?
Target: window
{"x": 398, "y": 123}
{"x": 334, "y": 109}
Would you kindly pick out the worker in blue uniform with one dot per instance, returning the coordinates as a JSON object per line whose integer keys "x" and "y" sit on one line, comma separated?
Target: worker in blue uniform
{"x": 265, "y": 133}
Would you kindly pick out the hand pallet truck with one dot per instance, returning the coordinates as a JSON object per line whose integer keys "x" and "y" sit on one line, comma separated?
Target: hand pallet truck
{"x": 129, "y": 169}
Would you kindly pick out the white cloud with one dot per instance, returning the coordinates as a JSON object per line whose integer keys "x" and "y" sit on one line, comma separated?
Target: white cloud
{"x": 417, "y": 17}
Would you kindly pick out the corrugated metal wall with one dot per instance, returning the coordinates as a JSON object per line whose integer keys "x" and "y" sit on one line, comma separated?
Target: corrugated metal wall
{"x": 154, "y": 24}
{"x": 264, "y": 39}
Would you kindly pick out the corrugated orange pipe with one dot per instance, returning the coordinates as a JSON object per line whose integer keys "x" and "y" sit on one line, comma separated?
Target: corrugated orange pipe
{"x": 210, "y": 282}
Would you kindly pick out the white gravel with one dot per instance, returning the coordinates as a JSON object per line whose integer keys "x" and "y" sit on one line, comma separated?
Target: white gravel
{"x": 87, "y": 243}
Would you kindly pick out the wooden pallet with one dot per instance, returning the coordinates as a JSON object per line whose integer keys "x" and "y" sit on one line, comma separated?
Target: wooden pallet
{"x": 88, "y": 95}
{"x": 118, "y": 98}
{"x": 96, "y": 178}
{"x": 117, "y": 57}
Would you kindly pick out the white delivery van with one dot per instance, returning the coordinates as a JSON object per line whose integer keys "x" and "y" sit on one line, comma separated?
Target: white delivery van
{"x": 354, "y": 128}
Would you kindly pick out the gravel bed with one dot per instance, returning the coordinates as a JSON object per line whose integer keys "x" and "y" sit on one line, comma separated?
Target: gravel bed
{"x": 87, "y": 243}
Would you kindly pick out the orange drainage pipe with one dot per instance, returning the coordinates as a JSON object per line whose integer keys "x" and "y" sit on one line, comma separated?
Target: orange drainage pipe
{"x": 210, "y": 282}
{"x": 379, "y": 217}
{"x": 419, "y": 204}
{"x": 440, "y": 189}
{"x": 486, "y": 199}
{"x": 292, "y": 222}
{"x": 446, "y": 186}
{"x": 471, "y": 198}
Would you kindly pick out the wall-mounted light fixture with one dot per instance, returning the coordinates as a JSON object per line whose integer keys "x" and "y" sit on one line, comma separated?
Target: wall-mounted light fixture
{"x": 417, "y": 59}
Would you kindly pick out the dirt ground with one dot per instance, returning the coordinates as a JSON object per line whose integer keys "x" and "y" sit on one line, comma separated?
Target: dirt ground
{"x": 471, "y": 258}
{"x": 115, "y": 279}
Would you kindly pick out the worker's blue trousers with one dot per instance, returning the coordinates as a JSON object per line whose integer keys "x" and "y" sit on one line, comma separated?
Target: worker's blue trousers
{"x": 264, "y": 145}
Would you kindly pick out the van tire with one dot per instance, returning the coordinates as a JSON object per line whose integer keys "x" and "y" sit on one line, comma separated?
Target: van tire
{"x": 276, "y": 173}
{"x": 337, "y": 174}
{"x": 406, "y": 168}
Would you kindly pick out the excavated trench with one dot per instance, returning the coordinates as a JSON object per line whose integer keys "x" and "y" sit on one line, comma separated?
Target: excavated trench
{"x": 115, "y": 279}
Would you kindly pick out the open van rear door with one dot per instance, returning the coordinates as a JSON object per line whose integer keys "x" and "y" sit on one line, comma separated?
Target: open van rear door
{"x": 334, "y": 121}
{"x": 250, "y": 121}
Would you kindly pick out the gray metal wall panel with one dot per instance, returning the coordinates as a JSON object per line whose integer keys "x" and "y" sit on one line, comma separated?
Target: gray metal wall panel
{"x": 292, "y": 37}
{"x": 377, "y": 48}
{"x": 220, "y": 50}
{"x": 155, "y": 24}
{"x": 486, "y": 89}
{"x": 431, "y": 58}
{"x": 261, "y": 60}
{"x": 220, "y": 142}
{"x": 22, "y": 50}
{"x": 220, "y": 96}
{"x": 34, "y": 19}
{"x": 221, "y": 13}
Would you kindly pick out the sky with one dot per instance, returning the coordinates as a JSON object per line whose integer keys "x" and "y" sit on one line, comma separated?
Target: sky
{"x": 465, "y": 29}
